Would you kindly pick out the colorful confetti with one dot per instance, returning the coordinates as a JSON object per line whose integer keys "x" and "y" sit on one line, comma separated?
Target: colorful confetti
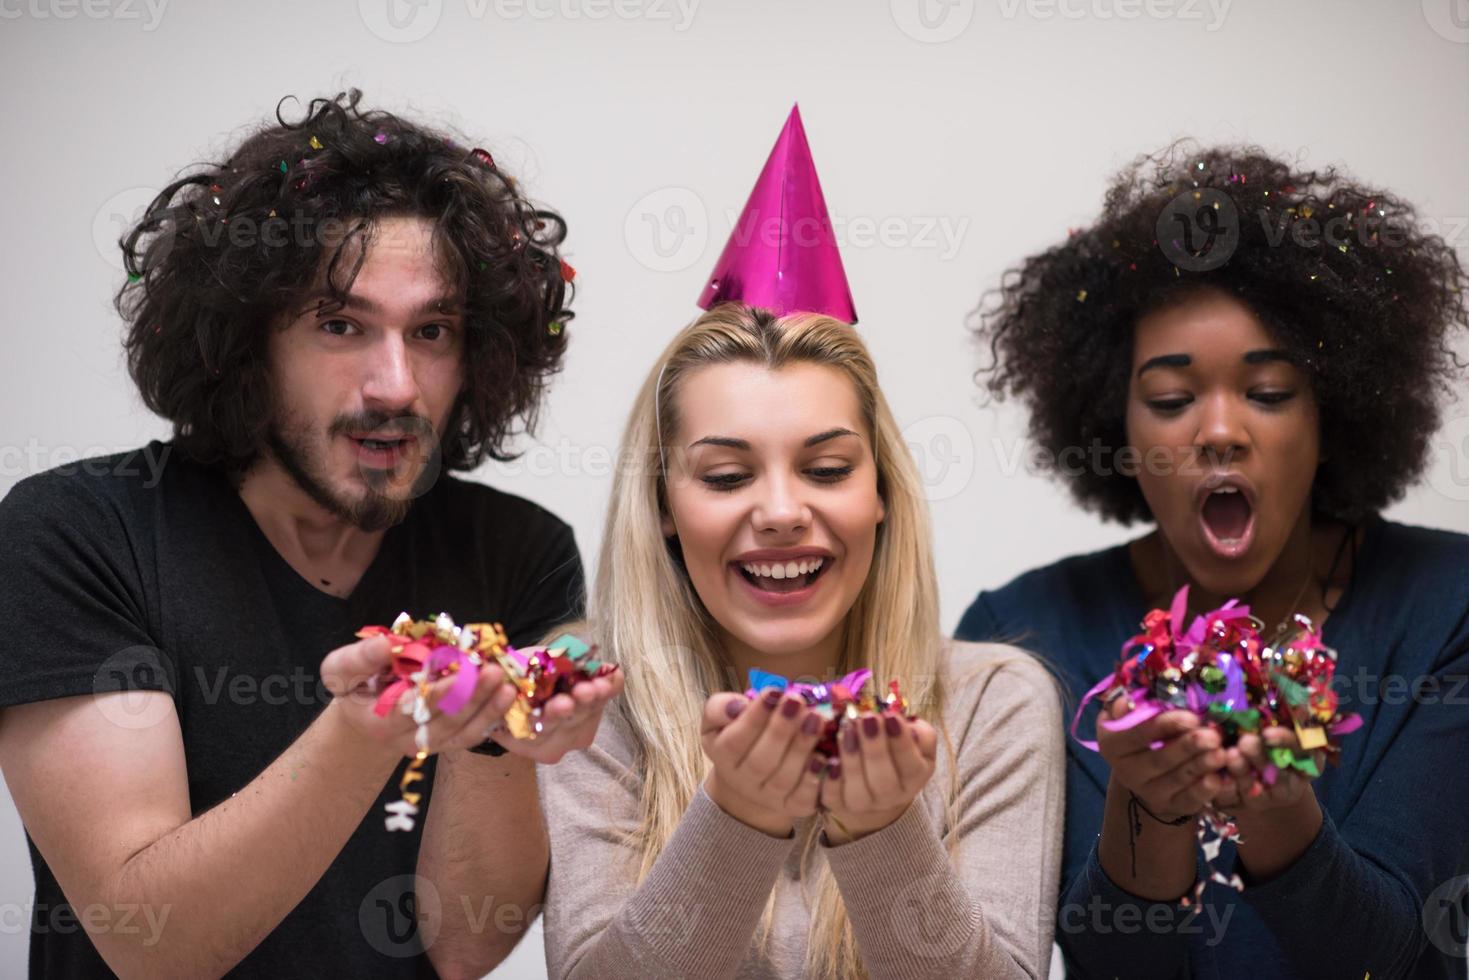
{"x": 426, "y": 651}
{"x": 1222, "y": 670}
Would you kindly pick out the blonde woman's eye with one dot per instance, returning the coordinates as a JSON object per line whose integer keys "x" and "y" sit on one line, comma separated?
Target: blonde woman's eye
{"x": 723, "y": 481}
{"x": 830, "y": 474}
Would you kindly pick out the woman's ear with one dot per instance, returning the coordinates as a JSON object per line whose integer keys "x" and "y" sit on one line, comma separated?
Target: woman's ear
{"x": 665, "y": 521}
{"x": 882, "y": 509}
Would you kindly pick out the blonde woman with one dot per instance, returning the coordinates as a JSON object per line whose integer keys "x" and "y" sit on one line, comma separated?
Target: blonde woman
{"x": 780, "y": 524}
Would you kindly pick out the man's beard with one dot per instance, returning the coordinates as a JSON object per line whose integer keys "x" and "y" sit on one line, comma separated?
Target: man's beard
{"x": 375, "y": 510}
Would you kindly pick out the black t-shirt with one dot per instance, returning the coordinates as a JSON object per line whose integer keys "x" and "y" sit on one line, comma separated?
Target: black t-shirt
{"x": 146, "y": 571}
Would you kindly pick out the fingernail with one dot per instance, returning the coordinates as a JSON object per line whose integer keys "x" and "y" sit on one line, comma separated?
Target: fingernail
{"x": 812, "y": 722}
{"x": 834, "y": 769}
{"x": 891, "y": 725}
{"x": 789, "y": 708}
{"x": 734, "y": 708}
{"x": 817, "y": 764}
{"x": 772, "y": 698}
{"x": 849, "y": 739}
{"x": 869, "y": 726}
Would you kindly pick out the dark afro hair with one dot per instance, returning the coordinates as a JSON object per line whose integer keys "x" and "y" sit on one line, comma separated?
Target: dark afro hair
{"x": 223, "y": 252}
{"x": 1357, "y": 292}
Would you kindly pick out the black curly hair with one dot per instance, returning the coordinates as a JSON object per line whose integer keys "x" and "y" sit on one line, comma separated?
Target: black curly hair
{"x": 1357, "y": 293}
{"x": 221, "y": 253}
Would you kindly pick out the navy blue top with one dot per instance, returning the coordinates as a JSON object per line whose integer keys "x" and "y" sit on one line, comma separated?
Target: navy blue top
{"x": 1384, "y": 888}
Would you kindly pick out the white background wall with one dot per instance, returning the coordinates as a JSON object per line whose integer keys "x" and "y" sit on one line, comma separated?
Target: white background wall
{"x": 952, "y": 137}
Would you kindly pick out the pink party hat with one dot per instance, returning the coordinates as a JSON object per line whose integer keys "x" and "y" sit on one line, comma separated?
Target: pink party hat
{"x": 782, "y": 255}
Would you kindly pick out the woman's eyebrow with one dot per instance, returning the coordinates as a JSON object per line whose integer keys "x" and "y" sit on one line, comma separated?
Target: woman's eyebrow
{"x": 1165, "y": 360}
{"x": 821, "y": 437}
{"x": 729, "y": 442}
{"x": 1267, "y": 357}
{"x": 725, "y": 441}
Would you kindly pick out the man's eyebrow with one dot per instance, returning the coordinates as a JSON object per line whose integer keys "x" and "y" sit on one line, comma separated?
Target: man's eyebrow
{"x": 446, "y": 305}
{"x": 729, "y": 442}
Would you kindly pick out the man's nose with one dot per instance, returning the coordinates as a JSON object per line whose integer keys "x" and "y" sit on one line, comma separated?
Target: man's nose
{"x": 389, "y": 384}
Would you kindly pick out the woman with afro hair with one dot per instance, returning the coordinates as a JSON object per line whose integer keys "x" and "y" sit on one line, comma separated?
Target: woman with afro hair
{"x": 1252, "y": 358}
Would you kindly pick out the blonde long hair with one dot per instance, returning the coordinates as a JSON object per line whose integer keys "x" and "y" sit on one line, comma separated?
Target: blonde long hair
{"x": 647, "y": 614}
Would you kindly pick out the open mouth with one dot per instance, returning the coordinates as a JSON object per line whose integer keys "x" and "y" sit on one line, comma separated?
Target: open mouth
{"x": 382, "y": 452}
{"x": 1229, "y": 519}
{"x": 783, "y": 577}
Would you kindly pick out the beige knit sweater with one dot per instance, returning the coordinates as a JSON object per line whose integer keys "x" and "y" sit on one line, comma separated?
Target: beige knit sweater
{"x": 987, "y": 912}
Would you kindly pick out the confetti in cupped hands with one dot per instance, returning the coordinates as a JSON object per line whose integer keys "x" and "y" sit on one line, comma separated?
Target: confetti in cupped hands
{"x": 427, "y": 651}
{"x": 1223, "y": 670}
{"x": 836, "y": 702}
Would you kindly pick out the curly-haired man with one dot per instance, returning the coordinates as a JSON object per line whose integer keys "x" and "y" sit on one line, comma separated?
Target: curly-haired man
{"x": 344, "y": 309}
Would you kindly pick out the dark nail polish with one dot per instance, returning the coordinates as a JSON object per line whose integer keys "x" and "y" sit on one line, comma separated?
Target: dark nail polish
{"x": 817, "y": 764}
{"x": 891, "y": 726}
{"x": 849, "y": 739}
{"x": 734, "y": 708}
{"x": 869, "y": 726}
{"x": 812, "y": 722}
{"x": 834, "y": 769}
{"x": 789, "y": 708}
{"x": 771, "y": 699}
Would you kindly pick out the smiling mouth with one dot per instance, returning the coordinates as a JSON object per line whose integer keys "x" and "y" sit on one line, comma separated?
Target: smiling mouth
{"x": 790, "y": 576}
{"x": 1228, "y": 519}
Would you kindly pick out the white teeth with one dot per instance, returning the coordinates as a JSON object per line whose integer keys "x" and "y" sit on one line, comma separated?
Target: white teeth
{"x": 1226, "y": 489}
{"x": 788, "y": 570}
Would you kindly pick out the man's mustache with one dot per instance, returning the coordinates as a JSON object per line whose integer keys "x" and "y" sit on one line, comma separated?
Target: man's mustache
{"x": 382, "y": 424}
